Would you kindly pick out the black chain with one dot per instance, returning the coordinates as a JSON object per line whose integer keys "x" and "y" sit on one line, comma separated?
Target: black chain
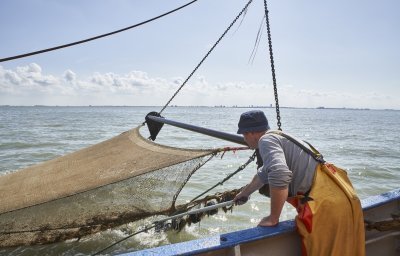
{"x": 271, "y": 56}
{"x": 208, "y": 53}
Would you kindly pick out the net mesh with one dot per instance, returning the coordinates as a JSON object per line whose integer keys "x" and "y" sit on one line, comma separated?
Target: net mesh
{"x": 121, "y": 180}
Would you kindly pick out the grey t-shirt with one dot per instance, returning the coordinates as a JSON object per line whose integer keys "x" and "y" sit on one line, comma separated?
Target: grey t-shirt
{"x": 285, "y": 164}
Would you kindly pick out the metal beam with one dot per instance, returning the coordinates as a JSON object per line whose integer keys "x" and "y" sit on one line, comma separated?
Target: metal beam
{"x": 213, "y": 133}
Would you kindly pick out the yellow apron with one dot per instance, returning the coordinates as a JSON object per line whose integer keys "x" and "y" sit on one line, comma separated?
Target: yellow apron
{"x": 330, "y": 218}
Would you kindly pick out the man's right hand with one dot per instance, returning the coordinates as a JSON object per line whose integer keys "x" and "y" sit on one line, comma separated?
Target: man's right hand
{"x": 240, "y": 199}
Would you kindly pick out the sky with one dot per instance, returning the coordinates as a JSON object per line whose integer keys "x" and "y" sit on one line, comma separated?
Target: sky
{"x": 327, "y": 53}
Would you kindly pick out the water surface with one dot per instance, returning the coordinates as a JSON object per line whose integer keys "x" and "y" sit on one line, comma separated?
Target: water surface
{"x": 364, "y": 142}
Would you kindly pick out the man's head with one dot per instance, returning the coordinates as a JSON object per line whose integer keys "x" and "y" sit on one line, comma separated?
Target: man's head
{"x": 252, "y": 121}
{"x": 252, "y": 124}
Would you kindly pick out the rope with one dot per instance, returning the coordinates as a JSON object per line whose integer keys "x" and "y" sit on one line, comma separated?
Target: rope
{"x": 96, "y": 37}
{"x": 271, "y": 56}
{"x": 257, "y": 42}
{"x": 190, "y": 175}
{"x": 205, "y": 57}
{"x": 125, "y": 238}
{"x": 160, "y": 223}
{"x": 234, "y": 149}
{"x": 384, "y": 225}
{"x": 201, "y": 210}
{"x": 251, "y": 159}
{"x": 225, "y": 149}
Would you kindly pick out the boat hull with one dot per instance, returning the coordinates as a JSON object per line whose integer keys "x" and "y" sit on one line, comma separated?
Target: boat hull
{"x": 284, "y": 240}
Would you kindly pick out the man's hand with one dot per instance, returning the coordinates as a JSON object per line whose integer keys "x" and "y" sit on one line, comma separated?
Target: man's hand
{"x": 244, "y": 195}
{"x": 268, "y": 222}
{"x": 241, "y": 198}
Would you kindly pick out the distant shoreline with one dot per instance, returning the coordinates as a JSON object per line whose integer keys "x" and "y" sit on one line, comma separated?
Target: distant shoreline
{"x": 204, "y": 106}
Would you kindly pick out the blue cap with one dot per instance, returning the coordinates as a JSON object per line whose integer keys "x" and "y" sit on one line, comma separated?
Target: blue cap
{"x": 252, "y": 121}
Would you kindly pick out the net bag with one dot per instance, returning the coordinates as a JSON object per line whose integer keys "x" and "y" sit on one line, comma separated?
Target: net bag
{"x": 123, "y": 179}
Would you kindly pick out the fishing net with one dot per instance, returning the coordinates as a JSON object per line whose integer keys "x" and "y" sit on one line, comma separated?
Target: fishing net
{"x": 120, "y": 180}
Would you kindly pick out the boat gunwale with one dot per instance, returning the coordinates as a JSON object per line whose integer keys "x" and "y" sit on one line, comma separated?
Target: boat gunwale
{"x": 231, "y": 239}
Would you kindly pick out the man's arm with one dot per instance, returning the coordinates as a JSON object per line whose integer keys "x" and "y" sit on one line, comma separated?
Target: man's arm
{"x": 254, "y": 185}
{"x": 278, "y": 198}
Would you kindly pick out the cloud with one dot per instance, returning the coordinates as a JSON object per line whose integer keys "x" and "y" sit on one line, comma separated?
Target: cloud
{"x": 69, "y": 76}
{"x": 26, "y": 79}
{"x": 30, "y": 85}
{"x": 32, "y": 76}
{"x": 11, "y": 77}
{"x": 134, "y": 82}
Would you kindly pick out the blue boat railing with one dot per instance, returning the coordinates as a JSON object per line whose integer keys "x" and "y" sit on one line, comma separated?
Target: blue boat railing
{"x": 228, "y": 240}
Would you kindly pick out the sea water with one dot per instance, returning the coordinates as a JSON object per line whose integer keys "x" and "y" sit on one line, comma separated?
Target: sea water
{"x": 364, "y": 142}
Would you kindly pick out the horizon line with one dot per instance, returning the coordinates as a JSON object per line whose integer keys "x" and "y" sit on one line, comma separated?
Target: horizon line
{"x": 209, "y": 106}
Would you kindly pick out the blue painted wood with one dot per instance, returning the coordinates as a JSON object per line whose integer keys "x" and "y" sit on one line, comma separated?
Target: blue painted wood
{"x": 219, "y": 241}
{"x": 229, "y": 240}
{"x": 378, "y": 200}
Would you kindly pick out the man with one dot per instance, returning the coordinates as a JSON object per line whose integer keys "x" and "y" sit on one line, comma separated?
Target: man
{"x": 329, "y": 219}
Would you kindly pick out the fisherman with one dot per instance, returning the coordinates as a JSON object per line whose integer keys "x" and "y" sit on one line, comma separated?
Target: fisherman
{"x": 330, "y": 217}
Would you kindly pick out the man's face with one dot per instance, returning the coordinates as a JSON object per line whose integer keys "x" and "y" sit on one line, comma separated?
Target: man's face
{"x": 251, "y": 139}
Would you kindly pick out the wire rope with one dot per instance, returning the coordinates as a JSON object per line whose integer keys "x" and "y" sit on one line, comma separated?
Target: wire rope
{"x": 205, "y": 57}
{"x": 95, "y": 37}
